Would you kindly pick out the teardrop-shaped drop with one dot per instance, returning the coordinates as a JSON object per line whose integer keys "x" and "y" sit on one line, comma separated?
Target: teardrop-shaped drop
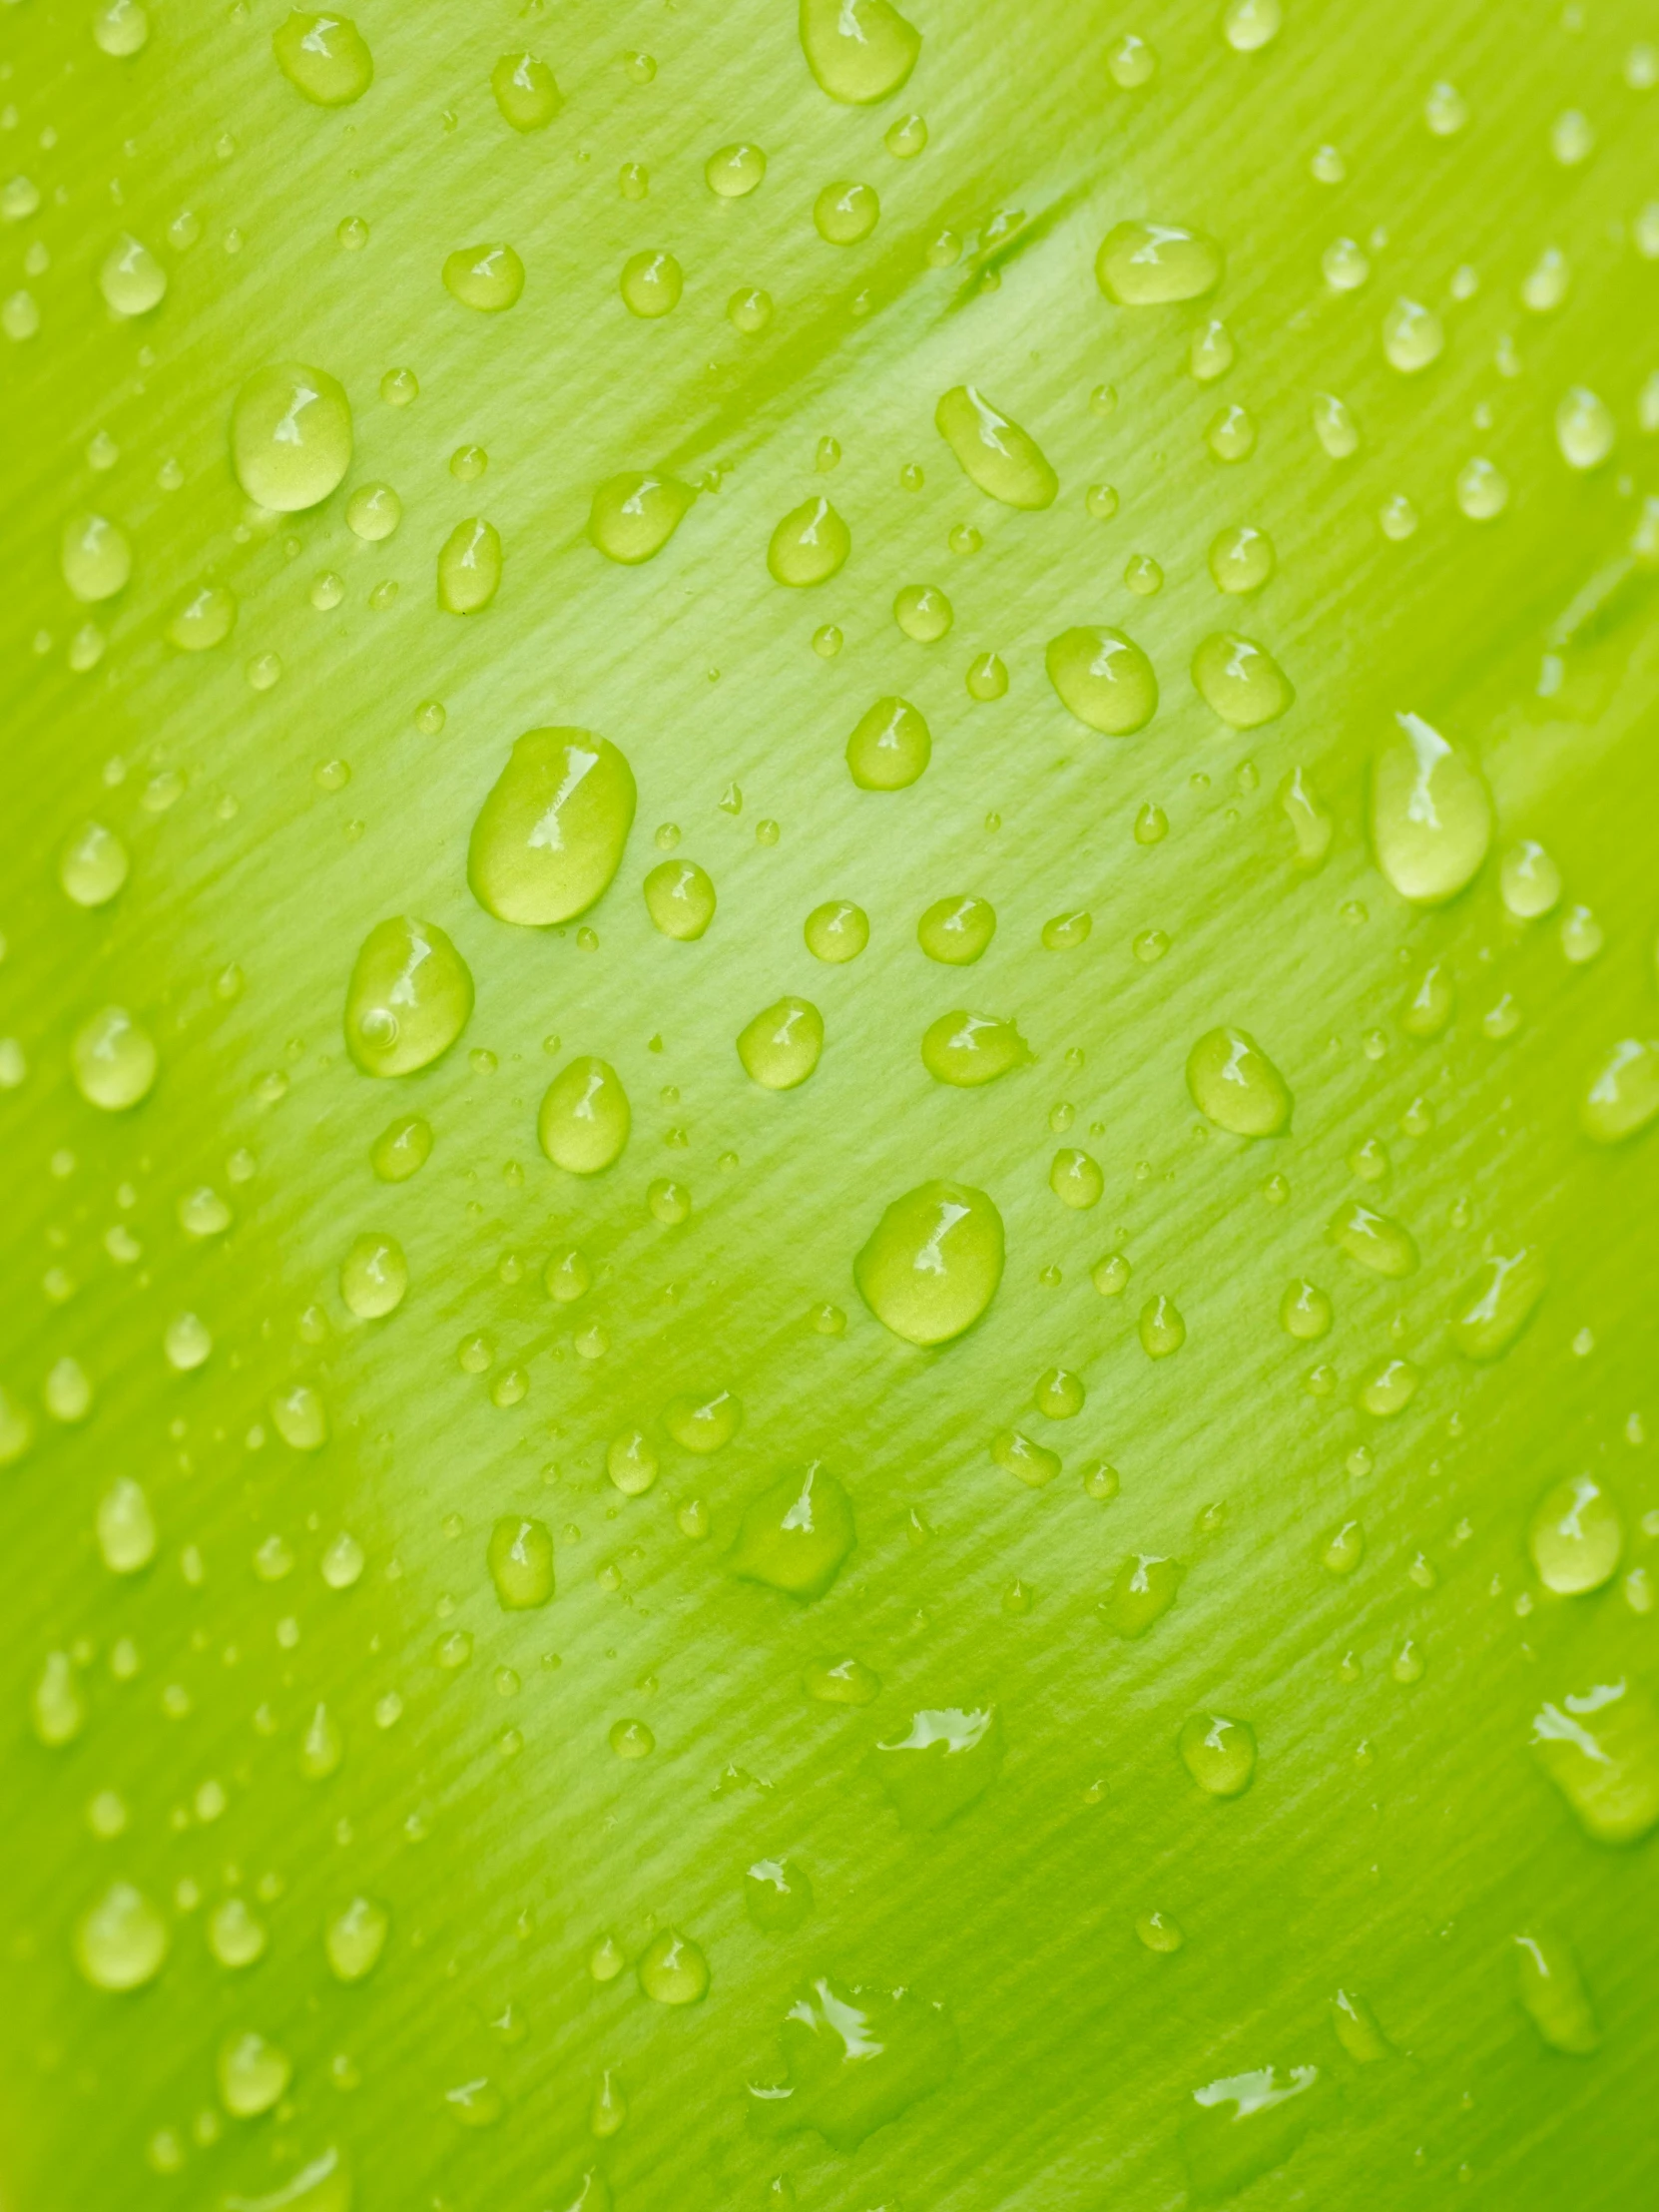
{"x": 408, "y": 999}
{"x": 1431, "y": 813}
{"x": 550, "y": 835}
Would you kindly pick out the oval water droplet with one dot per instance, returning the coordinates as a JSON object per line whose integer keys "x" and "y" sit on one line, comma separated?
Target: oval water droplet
{"x": 680, "y": 898}
{"x": 810, "y": 545}
{"x": 966, "y": 1050}
{"x": 836, "y": 932}
{"x": 550, "y": 835}
{"x": 1431, "y": 813}
{"x": 1241, "y": 681}
{"x": 130, "y": 279}
{"x": 1498, "y": 1302}
{"x": 890, "y": 747}
{"x": 1104, "y": 679}
{"x": 469, "y": 567}
{"x": 999, "y": 457}
{"x": 402, "y": 1149}
{"x": 1144, "y": 264}
{"x": 1552, "y": 1991}
{"x": 780, "y": 1047}
{"x": 1624, "y": 1096}
{"x": 932, "y": 1262}
{"x": 121, "y": 1942}
{"x": 202, "y": 620}
{"x": 93, "y": 866}
{"x": 1237, "y": 1086}
{"x": 520, "y": 1561}
{"x": 487, "y": 279}
{"x": 632, "y": 516}
{"x": 860, "y": 51}
{"x": 1241, "y": 559}
{"x": 1076, "y": 1179}
{"x": 1584, "y": 429}
{"x": 672, "y": 1970}
{"x": 652, "y": 283}
{"x": 374, "y": 1276}
{"x": 409, "y": 997}
{"x": 290, "y": 436}
{"x": 114, "y": 1060}
{"x": 1379, "y": 1244}
{"x": 956, "y": 931}
{"x": 584, "y": 1119}
{"x": 96, "y": 558}
{"x": 526, "y": 92}
{"x": 1412, "y": 336}
{"x": 354, "y": 1938}
{"x": 1219, "y": 1754}
{"x": 1577, "y": 1537}
{"x": 326, "y": 57}
{"x": 796, "y": 1536}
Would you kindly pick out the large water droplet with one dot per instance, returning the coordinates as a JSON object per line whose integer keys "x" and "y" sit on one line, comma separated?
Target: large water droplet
{"x": 1376, "y": 1241}
{"x": 809, "y": 545}
{"x": 93, "y": 866}
{"x": 795, "y": 1535}
{"x": 95, "y": 557}
{"x": 1412, "y": 336}
{"x": 1241, "y": 681}
{"x": 488, "y": 279}
{"x": 1577, "y": 1537}
{"x": 997, "y": 454}
{"x": 526, "y": 92}
{"x": 1104, "y": 679}
{"x": 632, "y": 516}
{"x": 130, "y": 279}
{"x": 1243, "y": 2126}
{"x": 858, "y": 50}
{"x": 325, "y": 57}
{"x": 1233, "y": 1081}
{"x": 114, "y": 1060}
{"x": 584, "y": 1119}
{"x": 948, "y": 1761}
{"x": 652, "y": 283}
{"x": 680, "y": 898}
{"x": 1600, "y": 1747}
{"x": 890, "y": 747}
{"x": 409, "y": 997}
{"x": 1624, "y": 1096}
{"x": 1431, "y": 813}
{"x": 121, "y": 1942}
{"x": 253, "y": 2074}
{"x": 932, "y": 1262}
{"x": 672, "y": 1970}
{"x": 1551, "y": 1989}
{"x": 550, "y": 835}
{"x": 202, "y": 620}
{"x": 1150, "y": 264}
{"x": 965, "y": 1049}
{"x": 1584, "y": 429}
{"x": 1218, "y": 1753}
{"x": 956, "y": 931}
{"x": 469, "y": 567}
{"x": 373, "y": 1276}
{"x": 1498, "y": 1302}
{"x": 354, "y": 1938}
{"x": 1142, "y": 1588}
{"x": 290, "y": 436}
{"x": 836, "y": 932}
{"x": 779, "y": 1048}
{"x": 520, "y": 1561}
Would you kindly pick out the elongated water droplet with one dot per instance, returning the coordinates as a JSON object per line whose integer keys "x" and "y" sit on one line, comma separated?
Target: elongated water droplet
{"x": 354, "y": 1938}
{"x": 1310, "y": 823}
{"x": 995, "y": 453}
{"x": 130, "y": 279}
{"x": 1584, "y": 429}
{"x": 126, "y": 1527}
{"x": 1498, "y": 1302}
{"x": 1376, "y": 1241}
{"x": 632, "y": 516}
{"x": 202, "y": 620}
{"x": 1412, "y": 336}
{"x": 1021, "y": 1457}
{"x": 1624, "y": 1096}
{"x": 409, "y": 997}
{"x": 1241, "y": 681}
{"x": 890, "y": 747}
{"x": 1104, "y": 679}
{"x": 1237, "y": 1086}
{"x": 526, "y": 92}
{"x": 550, "y": 835}
{"x": 1529, "y": 882}
{"x": 114, "y": 1060}
{"x": 487, "y": 279}
{"x": 1600, "y": 1747}
{"x": 810, "y": 545}
{"x": 956, "y": 931}
{"x": 469, "y": 567}
{"x": 325, "y": 57}
{"x": 1143, "y": 1589}
{"x": 401, "y": 1148}
{"x": 1151, "y": 263}
{"x": 1552, "y": 1991}
{"x": 95, "y": 557}
{"x": 374, "y": 1276}
{"x": 965, "y": 1049}
{"x": 796, "y": 1536}
{"x": 932, "y": 1262}
{"x": 780, "y": 1047}
{"x": 121, "y": 1942}
{"x": 1218, "y": 1753}
{"x": 520, "y": 1561}
{"x": 860, "y": 51}
{"x": 1431, "y": 813}
{"x": 290, "y": 436}
{"x": 1577, "y": 1537}
{"x": 584, "y": 1119}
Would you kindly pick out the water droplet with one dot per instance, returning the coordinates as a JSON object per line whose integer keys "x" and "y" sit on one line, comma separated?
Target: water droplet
{"x": 749, "y": 311}
{"x": 1412, "y": 336}
{"x": 932, "y": 1262}
{"x": 651, "y": 285}
{"x": 794, "y": 1536}
{"x": 890, "y": 747}
{"x": 1218, "y": 1753}
{"x": 1131, "y": 62}
{"x": 1151, "y": 263}
{"x": 1584, "y": 429}
{"x": 966, "y": 1050}
{"x": 1101, "y": 501}
{"x": 236, "y": 1936}
{"x": 1143, "y": 1589}
{"x": 1377, "y": 1242}
{"x": 409, "y": 997}
{"x": 735, "y": 171}
{"x": 469, "y": 567}
{"x": 672, "y": 1970}
{"x": 1212, "y": 351}
{"x": 1161, "y": 1328}
{"x": 1345, "y": 1550}
{"x": 1249, "y": 25}
{"x": 202, "y": 620}
{"x": 997, "y": 456}
{"x": 810, "y": 545}
{"x": 290, "y": 436}
{"x": 1076, "y": 1179}
{"x": 95, "y": 557}
{"x": 1582, "y": 937}
{"x": 845, "y": 214}
{"x": 488, "y": 279}
{"x": 1241, "y": 681}
{"x": 120, "y": 28}
{"x": 114, "y": 1060}
{"x": 93, "y": 866}
{"x": 1552, "y": 1991}
{"x": 1445, "y": 110}
{"x": 1237, "y": 1086}
{"x": 1431, "y": 813}
{"x": 584, "y": 1119}
{"x": 121, "y": 1942}
{"x": 632, "y": 516}
{"x": 1356, "y": 2027}
{"x": 1231, "y": 434}
{"x": 778, "y": 1894}
{"x": 1624, "y": 1096}
{"x": 355, "y": 1937}
{"x": 1343, "y": 264}
{"x": 924, "y": 613}
{"x": 1496, "y": 1304}
{"x": 402, "y": 1149}
{"x": 550, "y": 835}
{"x": 948, "y": 1758}
{"x": 956, "y": 931}
{"x": 325, "y": 57}
{"x": 130, "y": 279}
{"x": 1104, "y": 679}
{"x": 836, "y": 932}
{"x": 779, "y": 1048}
{"x": 1066, "y": 933}
{"x": 1389, "y": 1388}
{"x": 680, "y": 898}
{"x": 526, "y": 92}
{"x": 860, "y": 51}
{"x": 1241, "y": 559}
{"x": 374, "y": 1276}
{"x": 1481, "y": 490}
{"x": 253, "y": 2074}
{"x": 1305, "y": 1312}
{"x": 1576, "y": 1538}
{"x": 1335, "y": 426}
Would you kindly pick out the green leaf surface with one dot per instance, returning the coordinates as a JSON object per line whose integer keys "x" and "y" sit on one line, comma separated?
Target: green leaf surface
{"x": 868, "y": 1818}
